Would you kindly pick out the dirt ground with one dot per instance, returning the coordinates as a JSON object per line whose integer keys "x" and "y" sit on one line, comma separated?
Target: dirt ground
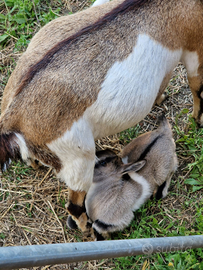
{"x": 32, "y": 205}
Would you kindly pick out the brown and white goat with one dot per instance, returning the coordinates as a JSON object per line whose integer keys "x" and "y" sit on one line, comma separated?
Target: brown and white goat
{"x": 92, "y": 74}
{"x": 120, "y": 188}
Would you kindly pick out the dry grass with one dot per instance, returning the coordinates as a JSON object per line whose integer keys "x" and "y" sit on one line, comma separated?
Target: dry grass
{"x": 32, "y": 205}
{"x": 75, "y": 5}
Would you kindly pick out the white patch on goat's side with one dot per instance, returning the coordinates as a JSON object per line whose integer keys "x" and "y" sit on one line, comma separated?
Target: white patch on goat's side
{"x": 23, "y": 147}
{"x": 146, "y": 191}
{"x": 191, "y": 62}
{"x": 76, "y": 150}
{"x": 131, "y": 87}
{"x": 127, "y": 95}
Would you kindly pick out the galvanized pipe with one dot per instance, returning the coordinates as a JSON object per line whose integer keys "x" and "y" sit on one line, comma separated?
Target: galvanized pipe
{"x": 39, "y": 255}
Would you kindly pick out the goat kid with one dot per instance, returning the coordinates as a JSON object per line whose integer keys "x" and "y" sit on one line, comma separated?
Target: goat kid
{"x": 121, "y": 186}
{"x": 92, "y": 74}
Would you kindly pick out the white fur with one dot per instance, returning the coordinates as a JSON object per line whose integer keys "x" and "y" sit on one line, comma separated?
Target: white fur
{"x": 99, "y": 2}
{"x": 130, "y": 87}
{"x": 24, "y": 151}
{"x": 126, "y": 97}
{"x": 76, "y": 150}
{"x": 146, "y": 192}
{"x": 191, "y": 62}
{"x": 23, "y": 147}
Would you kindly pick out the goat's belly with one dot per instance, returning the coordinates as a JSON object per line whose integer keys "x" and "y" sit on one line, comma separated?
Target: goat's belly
{"x": 131, "y": 87}
{"x": 113, "y": 116}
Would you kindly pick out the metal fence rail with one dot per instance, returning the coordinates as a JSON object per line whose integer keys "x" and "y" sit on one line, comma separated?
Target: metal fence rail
{"x": 39, "y": 255}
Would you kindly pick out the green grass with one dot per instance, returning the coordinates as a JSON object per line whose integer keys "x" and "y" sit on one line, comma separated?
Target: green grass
{"x": 19, "y": 21}
{"x": 158, "y": 224}
{"x": 21, "y": 18}
{"x": 192, "y": 145}
{"x": 149, "y": 226}
{"x": 2, "y": 236}
{"x": 127, "y": 135}
{"x": 18, "y": 170}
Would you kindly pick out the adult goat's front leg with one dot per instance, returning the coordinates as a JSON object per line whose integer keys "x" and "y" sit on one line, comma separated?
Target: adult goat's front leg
{"x": 82, "y": 171}
{"x": 76, "y": 208}
{"x": 76, "y": 151}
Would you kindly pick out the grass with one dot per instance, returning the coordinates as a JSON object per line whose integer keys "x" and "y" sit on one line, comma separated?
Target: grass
{"x": 192, "y": 144}
{"x": 127, "y": 135}
{"x": 33, "y": 202}
{"x": 22, "y": 19}
{"x": 154, "y": 221}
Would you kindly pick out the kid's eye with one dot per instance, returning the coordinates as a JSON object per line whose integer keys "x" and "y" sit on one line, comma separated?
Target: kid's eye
{"x": 103, "y": 163}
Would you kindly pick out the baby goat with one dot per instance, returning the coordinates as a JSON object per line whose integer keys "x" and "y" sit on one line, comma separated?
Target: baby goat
{"x": 121, "y": 186}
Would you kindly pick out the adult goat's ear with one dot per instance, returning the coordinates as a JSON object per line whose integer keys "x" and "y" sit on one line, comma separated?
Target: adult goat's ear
{"x": 133, "y": 167}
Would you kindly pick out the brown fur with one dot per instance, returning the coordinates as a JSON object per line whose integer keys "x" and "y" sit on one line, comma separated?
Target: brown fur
{"x": 124, "y": 7}
{"x": 47, "y": 38}
{"x": 76, "y": 197}
{"x": 76, "y": 209}
{"x": 8, "y": 150}
{"x": 50, "y": 85}
{"x": 44, "y": 154}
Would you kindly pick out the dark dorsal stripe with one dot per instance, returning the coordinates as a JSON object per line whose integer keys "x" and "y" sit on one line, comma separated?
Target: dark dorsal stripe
{"x": 148, "y": 148}
{"x": 143, "y": 155}
{"x": 42, "y": 64}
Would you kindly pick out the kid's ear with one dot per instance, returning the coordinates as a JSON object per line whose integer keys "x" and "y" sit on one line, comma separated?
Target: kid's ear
{"x": 133, "y": 167}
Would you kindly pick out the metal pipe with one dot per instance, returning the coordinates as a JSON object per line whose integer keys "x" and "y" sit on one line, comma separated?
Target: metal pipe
{"x": 39, "y": 255}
